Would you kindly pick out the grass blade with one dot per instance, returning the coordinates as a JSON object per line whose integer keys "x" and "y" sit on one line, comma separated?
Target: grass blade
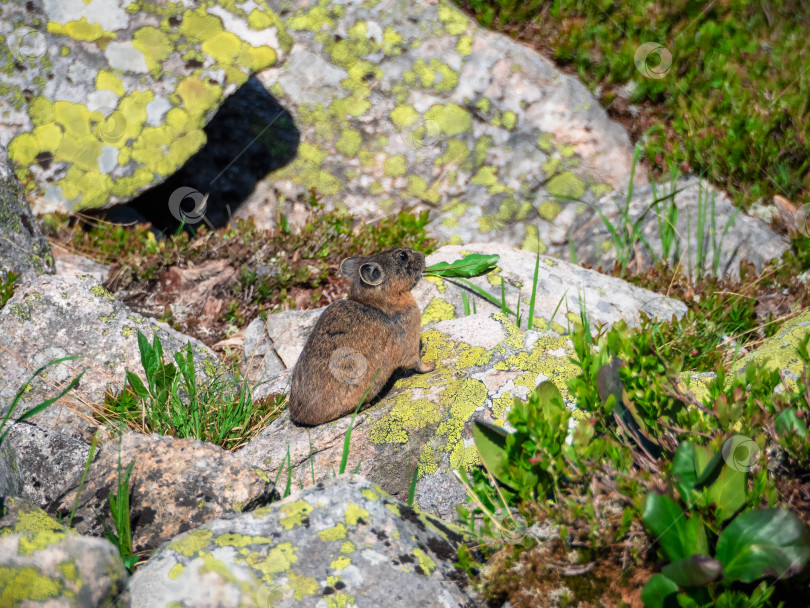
{"x": 348, "y": 438}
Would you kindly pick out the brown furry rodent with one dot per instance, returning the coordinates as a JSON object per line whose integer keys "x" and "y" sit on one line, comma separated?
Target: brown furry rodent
{"x": 375, "y": 331}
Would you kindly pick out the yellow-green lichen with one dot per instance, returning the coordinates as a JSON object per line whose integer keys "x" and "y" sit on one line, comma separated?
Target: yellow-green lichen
{"x": 340, "y": 563}
{"x": 302, "y": 585}
{"x": 425, "y": 562}
{"x": 348, "y": 546}
{"x": 438, "y": 309}
{"x": 337, "y": 532}
{"x": 192, "y": 543}
{"x": 294, "y": 514}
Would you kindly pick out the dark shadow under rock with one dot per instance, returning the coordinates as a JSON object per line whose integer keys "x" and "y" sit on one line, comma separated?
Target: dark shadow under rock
{"x": 250, "y": 136}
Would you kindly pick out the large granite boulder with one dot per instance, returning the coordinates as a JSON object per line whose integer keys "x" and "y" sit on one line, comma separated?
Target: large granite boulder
{"x": 105, "y": 98}
{"x": 43, "y": 563}
{"x": 342, "y": 543}
{"x": 50, "y": 317}
{"x": 403, "y": 103}
{"x": 176, "y": 485}
{"x": 22, "y": 246}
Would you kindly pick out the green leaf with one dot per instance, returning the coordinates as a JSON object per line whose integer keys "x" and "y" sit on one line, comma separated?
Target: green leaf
{"x": 678, "y": 536}
{"x": 148, "y": 359}
{"x": 728, "y": 492}
{"x": 683, "y": 470}
{"x": 787, "y": 422}
{"x": 694, "y": 571}
{"x": 137, "y": 385}
{"x": 660, "y": 592}
{"x": 490, "y": 441}
{"x": 469, "y": 266}
{"x": 765, "y": 542}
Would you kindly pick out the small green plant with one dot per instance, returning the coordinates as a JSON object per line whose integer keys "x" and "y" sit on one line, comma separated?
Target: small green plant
{"x": 173, "y": 401}
{"x": 7, "y": 288}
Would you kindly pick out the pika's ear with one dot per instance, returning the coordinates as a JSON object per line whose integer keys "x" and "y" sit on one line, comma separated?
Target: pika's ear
{"x": 349, "y": 267}
{"x": 371, "y": 273}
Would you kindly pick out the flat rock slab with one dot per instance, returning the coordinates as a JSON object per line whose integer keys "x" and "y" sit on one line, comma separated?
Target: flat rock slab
{"x": 105, "y": 98}
{"x": 44, "y": 563}
{"x": 707, "y": 234}
{"x": 176, "y": 484}
{"x": 342, "y": 543}
{"x": 402, "y": 103}
{"x": 482, "y": 362}
{"x": 51, "y": 317}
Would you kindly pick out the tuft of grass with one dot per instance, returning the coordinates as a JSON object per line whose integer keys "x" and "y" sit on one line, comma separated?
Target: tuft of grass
{"x": 174, "y": 401}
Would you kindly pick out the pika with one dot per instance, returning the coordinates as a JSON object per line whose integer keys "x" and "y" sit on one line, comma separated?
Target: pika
{"x": 357, "y": 343}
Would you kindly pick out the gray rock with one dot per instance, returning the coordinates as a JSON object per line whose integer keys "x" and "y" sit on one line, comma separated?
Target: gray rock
{"x": 343, "y": 543}
{"x": 44, "y": 460}
{"x": 50, "y": 317}
{"x": 404, "y": 103}
{"x": 102, "y": 102}
{"x": 46, "y": 564}
{"x": 22, "y": 246}
{"x": 482, "y": 362}
{"x": 176, "y": 484}
{"x": 733, "y": 237}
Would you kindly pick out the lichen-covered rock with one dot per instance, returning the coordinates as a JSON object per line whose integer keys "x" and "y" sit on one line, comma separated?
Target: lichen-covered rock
{"x": 103, "y": 98}
{"x": 403, "y": 103}
{"x": 482, "y": 362}
{"x": 342, "y": 543}
{"x": 22, "y": 246}
{"x": 43, "y": 563}
{"x": 176, "y": 485}
{"x": 777, "y": 352}
{"x": 710, "y": 234}
{"x": 274, "y": 344}
{"x": 50, "y": 317}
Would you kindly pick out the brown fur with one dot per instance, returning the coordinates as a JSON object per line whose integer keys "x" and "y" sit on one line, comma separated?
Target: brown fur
{"x": 375, "y": 331}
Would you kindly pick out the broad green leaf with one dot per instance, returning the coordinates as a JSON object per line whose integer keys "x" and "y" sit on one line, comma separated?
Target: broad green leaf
{"x": 660, "y": 592}
{"x": 137, "y": 385}
{"x": 787, "y": 422}
{"x": 549, "y": 393}
{"x": 766, "y": 542}
{"x": 707, "y": 465}
{"x": 683, "y": 470}
{"x": 490, "y": 441}
{"x": 694, "y": 571}
{"x": 148, "y": 359}
{"x": 678, "y": 536}
{"x": 728, "y": 492}
{"x": 469, "y": 266}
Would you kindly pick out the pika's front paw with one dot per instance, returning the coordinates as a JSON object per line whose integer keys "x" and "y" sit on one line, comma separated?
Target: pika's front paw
{"x": 424, "y": 367}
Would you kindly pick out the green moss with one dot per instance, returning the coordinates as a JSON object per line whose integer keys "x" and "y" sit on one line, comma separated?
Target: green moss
{"x": 349, "y": 142}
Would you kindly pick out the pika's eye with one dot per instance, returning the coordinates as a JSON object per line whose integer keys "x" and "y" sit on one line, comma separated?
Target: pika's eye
{"x": 403, "y": 255}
